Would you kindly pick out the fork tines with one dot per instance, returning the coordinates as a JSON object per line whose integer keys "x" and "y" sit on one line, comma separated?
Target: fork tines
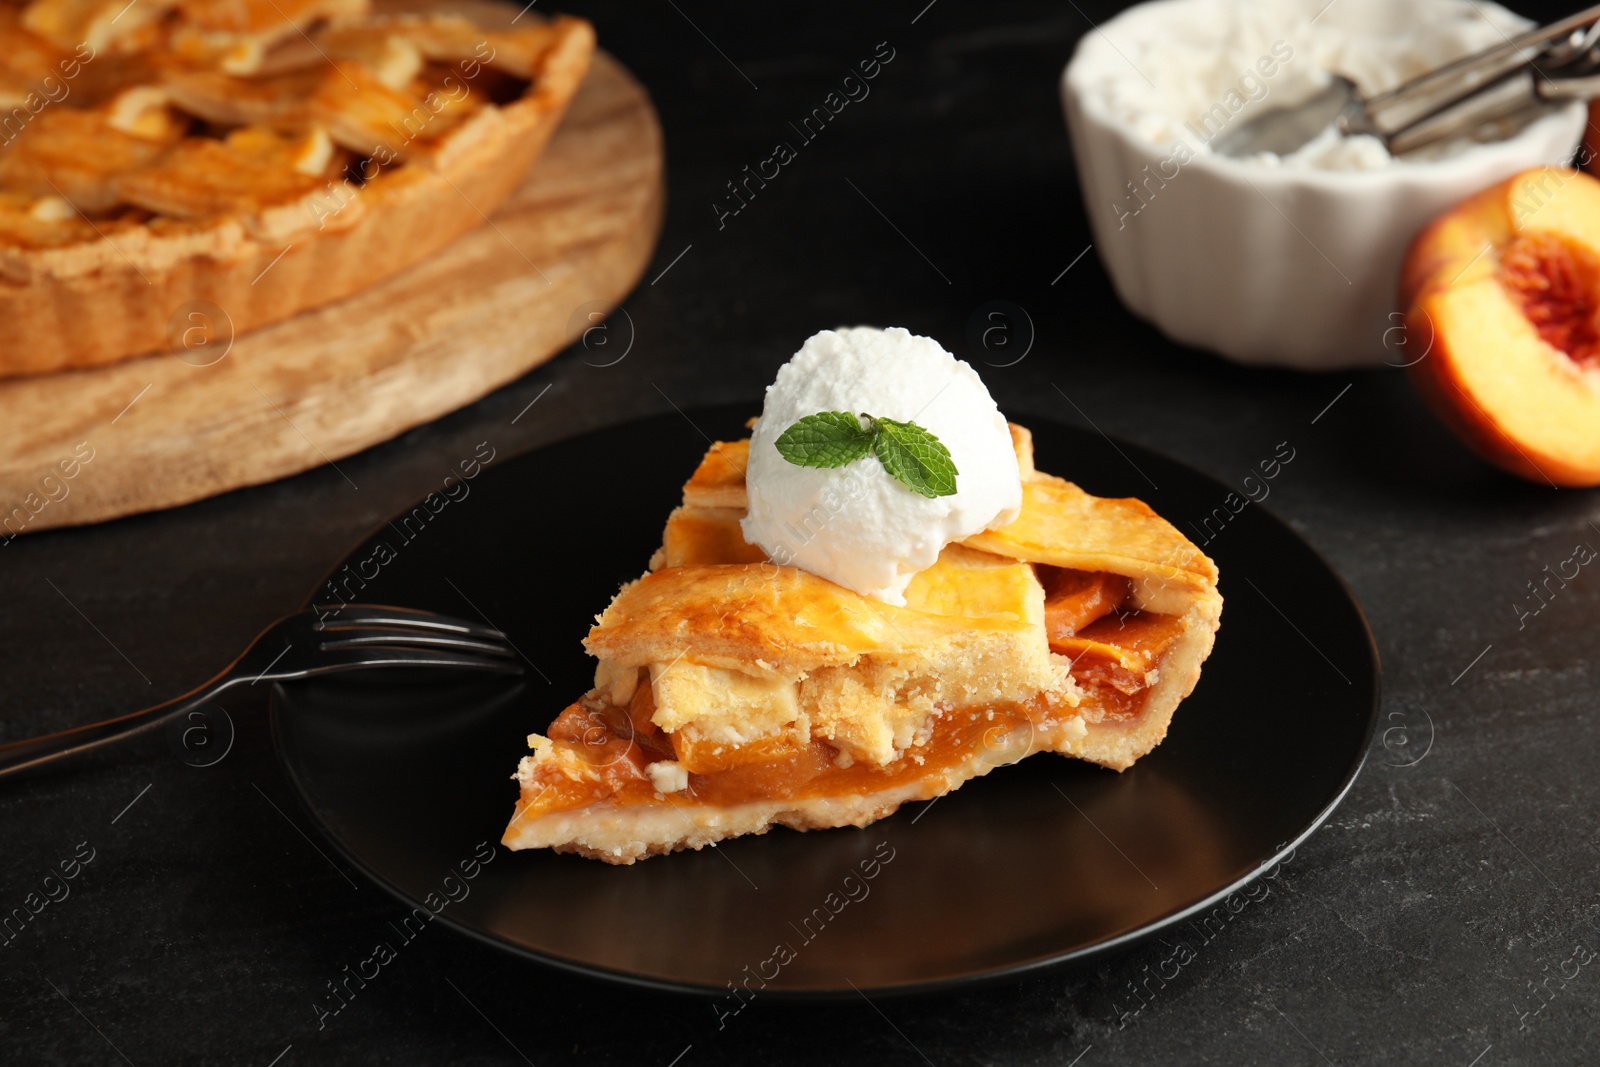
{"x": 355, "y": 616}
{"x": 396, "y": 637}
{"x": 368, "y": 656}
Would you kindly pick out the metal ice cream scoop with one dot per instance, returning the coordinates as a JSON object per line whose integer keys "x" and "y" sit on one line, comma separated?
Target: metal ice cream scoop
{"x": 1524, "y": 73}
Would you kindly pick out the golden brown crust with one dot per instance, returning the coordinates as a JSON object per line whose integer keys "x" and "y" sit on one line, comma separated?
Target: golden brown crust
{"x": 719, "y": 480}
{"x": 111, "y": 297}
{"x": 1063, "y": 526}
{"x": 782, "y": 621}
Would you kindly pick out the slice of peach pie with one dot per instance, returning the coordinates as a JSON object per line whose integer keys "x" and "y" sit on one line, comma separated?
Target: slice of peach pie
{"x": 733, "y": 694}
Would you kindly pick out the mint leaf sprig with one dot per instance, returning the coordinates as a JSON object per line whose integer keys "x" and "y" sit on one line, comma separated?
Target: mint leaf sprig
{"x": 912, "y": 456}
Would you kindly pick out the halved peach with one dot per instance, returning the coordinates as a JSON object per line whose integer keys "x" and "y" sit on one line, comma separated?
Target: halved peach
{"x": 1503, "y": 295}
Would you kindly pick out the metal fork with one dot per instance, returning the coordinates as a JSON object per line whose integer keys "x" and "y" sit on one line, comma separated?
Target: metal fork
{"x": 324, "y": 640}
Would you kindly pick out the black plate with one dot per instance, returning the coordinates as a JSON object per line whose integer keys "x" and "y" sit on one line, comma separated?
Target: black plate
{"x": 1047, "y": 861}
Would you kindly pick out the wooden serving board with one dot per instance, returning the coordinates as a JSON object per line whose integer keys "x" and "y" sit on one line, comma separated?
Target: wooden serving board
{"x": 161, "y": 431}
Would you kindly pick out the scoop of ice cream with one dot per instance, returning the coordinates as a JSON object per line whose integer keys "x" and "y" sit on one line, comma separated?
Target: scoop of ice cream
{"x": 858, "y": 525}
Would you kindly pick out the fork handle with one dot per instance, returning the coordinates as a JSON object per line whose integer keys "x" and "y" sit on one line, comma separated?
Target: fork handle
{"x": 32, "y": 751}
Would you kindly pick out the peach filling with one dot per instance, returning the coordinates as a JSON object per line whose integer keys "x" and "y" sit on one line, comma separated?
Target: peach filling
{"x": 1114, "y": 660}
{"x": 620, "y": 744}
{"x": 1556, "y": 282}
{"x": 1074, "y": 599}
{"x": 1112, "y": 650}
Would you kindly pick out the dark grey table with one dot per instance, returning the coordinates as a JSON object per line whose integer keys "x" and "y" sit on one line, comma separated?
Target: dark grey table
{"x": 1444, "y": 915}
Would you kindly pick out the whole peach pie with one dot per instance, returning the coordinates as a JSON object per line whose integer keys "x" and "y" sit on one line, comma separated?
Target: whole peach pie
{"x": 267, "y": 156}
{"x": 733, "y": 694}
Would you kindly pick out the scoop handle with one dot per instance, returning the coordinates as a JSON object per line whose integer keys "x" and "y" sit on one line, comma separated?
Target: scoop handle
{"x": 1489, "y": 84}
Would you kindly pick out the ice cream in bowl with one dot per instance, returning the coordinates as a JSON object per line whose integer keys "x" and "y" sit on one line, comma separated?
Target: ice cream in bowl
{"x": 1290, "y": 260}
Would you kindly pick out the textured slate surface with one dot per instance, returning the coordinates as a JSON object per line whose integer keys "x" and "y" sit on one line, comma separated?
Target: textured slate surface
{"x": 1413, "y": 928}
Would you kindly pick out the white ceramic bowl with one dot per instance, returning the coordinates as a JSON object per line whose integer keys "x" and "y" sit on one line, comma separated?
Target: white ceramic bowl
{"x": 1292, "y": 267}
